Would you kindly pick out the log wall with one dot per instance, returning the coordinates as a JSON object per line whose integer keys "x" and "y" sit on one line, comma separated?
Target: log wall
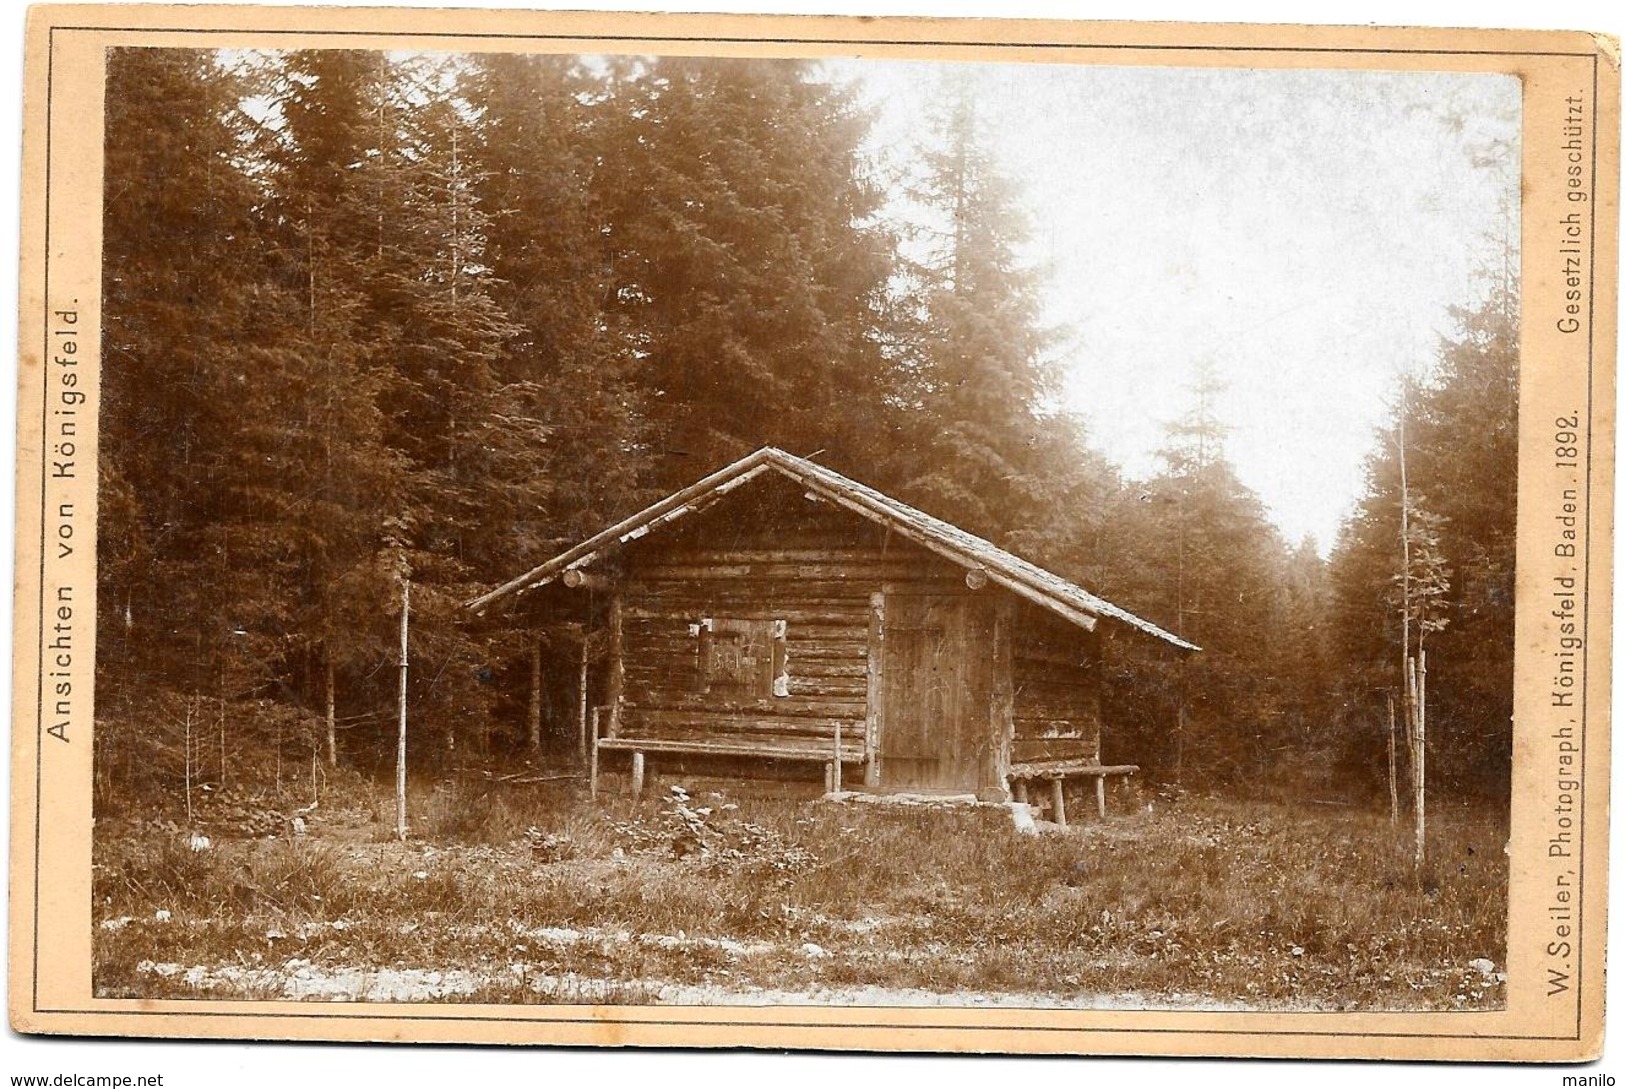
{"x": 1056, "y": 673}
{"x": 770, "y": 555}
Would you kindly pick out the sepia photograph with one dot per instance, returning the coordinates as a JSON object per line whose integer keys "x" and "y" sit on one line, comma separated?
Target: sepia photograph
{"x": 586, "y": 527}
{"x": 664, "y": 529}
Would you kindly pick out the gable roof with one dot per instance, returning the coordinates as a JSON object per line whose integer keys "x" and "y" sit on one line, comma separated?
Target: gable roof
{"x": 1027, "y": 580}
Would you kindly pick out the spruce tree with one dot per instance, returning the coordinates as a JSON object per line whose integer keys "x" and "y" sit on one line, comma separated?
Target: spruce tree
{"x": 979, "y": 373}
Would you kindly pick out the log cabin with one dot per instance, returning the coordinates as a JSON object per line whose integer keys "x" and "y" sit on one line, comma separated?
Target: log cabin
{"x": 778, "y": 615}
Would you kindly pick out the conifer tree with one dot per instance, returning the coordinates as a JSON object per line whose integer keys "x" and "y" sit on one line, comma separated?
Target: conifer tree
{"x": 749, "y": 271}
{"x": 979, "y": 376}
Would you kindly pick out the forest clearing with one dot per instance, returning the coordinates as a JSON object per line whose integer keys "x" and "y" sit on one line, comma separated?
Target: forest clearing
{"x": 439, "y": 472}
{"x": 531, "y": 894}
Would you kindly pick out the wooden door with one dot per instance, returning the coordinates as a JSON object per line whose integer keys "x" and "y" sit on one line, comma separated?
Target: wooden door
{"x": 930, "y": 740}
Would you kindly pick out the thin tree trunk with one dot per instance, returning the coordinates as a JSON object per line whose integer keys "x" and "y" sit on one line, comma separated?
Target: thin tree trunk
{"x": 1393, "y": 779}
{"x": 332, "y": 722}
{"x": 1421, "y": 757}
{"x": 222, "y": 726}
{"x": 187, "y": 762}
{"x": 1407, "y": 674}
{"x": 451, "y": 192}
{"x": 1405, "y": 561}
{"x": 533, "y": 736}
{"x": 1418, "y": 801}
{"x": 1179, "y": 629}
{"x": 581, "y": 698}
{"x": 400, "y": 743}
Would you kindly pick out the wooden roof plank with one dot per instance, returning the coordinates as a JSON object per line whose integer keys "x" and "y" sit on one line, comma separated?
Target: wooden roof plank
{"x": 1027, "y": 580}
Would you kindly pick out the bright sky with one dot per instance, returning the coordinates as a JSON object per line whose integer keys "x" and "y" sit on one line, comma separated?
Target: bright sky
{"x": 1305, "y": 230}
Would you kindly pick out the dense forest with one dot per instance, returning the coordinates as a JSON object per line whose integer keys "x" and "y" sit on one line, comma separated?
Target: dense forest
{"x": 370, "y": 315}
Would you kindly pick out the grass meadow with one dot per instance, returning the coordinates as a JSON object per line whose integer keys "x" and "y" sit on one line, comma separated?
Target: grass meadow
{"x": 534, "y": 894}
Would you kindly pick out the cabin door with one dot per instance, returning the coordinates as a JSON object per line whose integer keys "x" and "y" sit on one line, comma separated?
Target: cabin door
{"x": 930, "y": 734}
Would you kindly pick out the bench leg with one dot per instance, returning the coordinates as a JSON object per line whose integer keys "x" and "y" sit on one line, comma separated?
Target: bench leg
{"x": 637, "y": 777}
{"x": 835, "y": 765}
{"x": 1100, "y": 795}
{"x": 1021, "y": 791}
{"x": 592, "y": 770}
{"x": 1058, "y": 801}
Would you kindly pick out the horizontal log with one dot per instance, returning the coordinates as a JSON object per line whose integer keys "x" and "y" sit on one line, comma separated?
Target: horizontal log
{"x": 1027, "y": 750}
{"x": 847, "y": 688}
{"x": 834, "y": 571}
{"x": 1040, "y": 706}
{"x": 847, "y": 618}
{"x": 664, "y": 668}
{"x": 1056, "y": 727}
{"x": 788, "y": 580}
{"x": 827, "y": 649}
{"x": 777, "y": 591}
{"x": 813, "y": 742}
{"x": 1067, "y": 697}
{"x": 842, "y": 553}
{"x": 672, "y": 642}
{"x": 714, "y": 704}
{"x": 834, "y": 667}
{"x": 769, "y": 750}
{"x": 1085, "y": 717}
{"x": 664, "y": 659}
{"x": 674, "y": 624}
{"x": 689, "y": 608}
{"x": 680, "y": 724}
{"x": 648, "y": 719}
{"x": 652, "y": 686}
{"x": 1069, "y": 769}
{"x": 1068, "y": 694}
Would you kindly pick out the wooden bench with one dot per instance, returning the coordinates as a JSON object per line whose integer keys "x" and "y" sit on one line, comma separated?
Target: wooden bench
{"x": 743, "y": 742}
{"x": 1058, "y": 771}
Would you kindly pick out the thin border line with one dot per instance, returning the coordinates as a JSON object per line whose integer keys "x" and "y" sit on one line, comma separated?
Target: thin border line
{"x": 45, "y": 400}
{"x": 477, "y": 1018}
{"x": 1585, "y": 622}
{"x": 731, "y": 40}
{"x": 996, "y": 45}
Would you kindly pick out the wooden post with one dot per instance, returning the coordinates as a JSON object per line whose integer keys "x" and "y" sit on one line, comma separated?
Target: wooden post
{"x": 1419, "y": 673}
{"x": 332, "y": 722}
{"x": 592, "y": 773}
{"x": 617, "y": 665}
{"x": 1021, "y": 791}
{"x": 581, "y": 696}
{"x": 1057, "y": 801}
{"x": 994, "y": 774}
{"x": 873, "y": 725}
{"x": 637, "y": 776}
{"x": 187, "y": 763}
{"x": 1393, "y": 777}
{"x": 835, "y": 769}
{"x": 1100, "y": 795}
{"x": 534, "y": 720}
{"x": 400, "y": 741}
